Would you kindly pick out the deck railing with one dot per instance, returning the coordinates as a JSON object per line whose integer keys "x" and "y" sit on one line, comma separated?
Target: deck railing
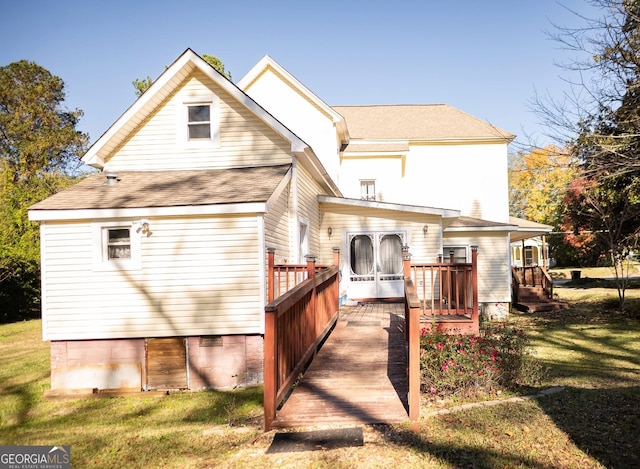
{"x": 283, "y": 277}
{"x": 531, "y": 276}
{"x": 295, "y": 324}
{"x": 440, "y": 291}
{"x": 447, "y": 289}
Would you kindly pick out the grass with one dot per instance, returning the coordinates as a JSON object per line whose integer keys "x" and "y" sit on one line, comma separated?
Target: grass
{"x": 590, "y": 349}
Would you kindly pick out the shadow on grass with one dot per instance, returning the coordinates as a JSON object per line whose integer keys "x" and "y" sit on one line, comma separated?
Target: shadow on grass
{"x": 603, "y": 423}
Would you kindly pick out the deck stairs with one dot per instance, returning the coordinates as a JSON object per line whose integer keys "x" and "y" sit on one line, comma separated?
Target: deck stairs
{"x": 534, "y": 299}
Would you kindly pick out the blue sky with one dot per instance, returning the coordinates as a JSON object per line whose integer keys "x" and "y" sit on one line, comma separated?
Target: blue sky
{"x": 484, "y": 57}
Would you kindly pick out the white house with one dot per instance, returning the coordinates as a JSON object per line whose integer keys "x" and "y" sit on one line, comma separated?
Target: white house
{"x": 154, "y": 270}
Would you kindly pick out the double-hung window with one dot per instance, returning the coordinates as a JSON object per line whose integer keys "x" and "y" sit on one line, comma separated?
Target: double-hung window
{"x": 368, "y": 189}
{"x": 459, "y": 254}
{"x": 116, "y": 246}
{"x": 118, "y": 243}
{"x": 199, "y": 122}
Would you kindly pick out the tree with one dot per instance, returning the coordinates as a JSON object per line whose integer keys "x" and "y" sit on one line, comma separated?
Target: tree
{"x": 537, "y": 183}
{"x": 600, "y": 117}
{"x": 142, "y": 85}
{"x": 39, "y": 155}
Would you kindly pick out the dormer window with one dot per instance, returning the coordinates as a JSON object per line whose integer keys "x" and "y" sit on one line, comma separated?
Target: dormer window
{"x": 199, "y": 122}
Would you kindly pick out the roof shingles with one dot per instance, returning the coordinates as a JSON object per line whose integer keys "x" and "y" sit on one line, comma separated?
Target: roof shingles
{"x": 169, "y": 189}
{"x": 417, "y": 122}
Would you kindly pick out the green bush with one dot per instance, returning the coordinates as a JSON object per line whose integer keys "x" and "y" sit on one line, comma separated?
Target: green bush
{"x": 498, "y": 359}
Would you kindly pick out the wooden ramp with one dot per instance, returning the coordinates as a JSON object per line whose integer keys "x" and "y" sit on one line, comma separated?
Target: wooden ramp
{"x": 359, "y": 375}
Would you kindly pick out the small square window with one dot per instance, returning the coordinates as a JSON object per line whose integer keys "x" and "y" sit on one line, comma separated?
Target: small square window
{"x": 118, "y": 243}
{"x": 459, "y": 254}
{"x": 368, "y": 189}
{"x": 199, "y": 122}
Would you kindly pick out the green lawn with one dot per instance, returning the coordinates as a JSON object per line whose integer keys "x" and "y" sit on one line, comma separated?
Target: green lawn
{"x": 591, "y": 350}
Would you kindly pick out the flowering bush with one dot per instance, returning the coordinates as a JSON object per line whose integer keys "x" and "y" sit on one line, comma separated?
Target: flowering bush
{"x": 498, "y": 359}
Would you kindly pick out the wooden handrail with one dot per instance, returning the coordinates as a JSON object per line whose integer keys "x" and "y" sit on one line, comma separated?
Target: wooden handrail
{"x": 451, "y": 282}
{"x": 296, "y": 323}
{"x": 412, "y": 321}
{"x": 532, "y": 276}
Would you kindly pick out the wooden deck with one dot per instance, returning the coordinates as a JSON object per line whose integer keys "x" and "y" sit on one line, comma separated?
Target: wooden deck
{"x": 359, "y": 376}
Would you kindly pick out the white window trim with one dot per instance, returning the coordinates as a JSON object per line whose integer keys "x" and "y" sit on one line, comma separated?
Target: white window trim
{"x": 101, "y": 261}
{"x": 447, "y": 247}
{"x": 182, "y": 122}
{"x": 303, "y": 246}
{"x": 367, "y": 182}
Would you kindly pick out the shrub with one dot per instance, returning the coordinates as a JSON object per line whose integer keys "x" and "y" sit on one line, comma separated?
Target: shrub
{"x": 498, "y": 359}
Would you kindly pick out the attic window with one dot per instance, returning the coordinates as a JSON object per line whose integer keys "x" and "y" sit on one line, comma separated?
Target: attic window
{"x": 199, "y": 122}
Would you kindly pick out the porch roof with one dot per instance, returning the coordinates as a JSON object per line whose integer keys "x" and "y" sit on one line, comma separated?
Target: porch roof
{"x": 371, "y": 204}
{"x": 528, "y": 229}
{"x": 477, "y": 224}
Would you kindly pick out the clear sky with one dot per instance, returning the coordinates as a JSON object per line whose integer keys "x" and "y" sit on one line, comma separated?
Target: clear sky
{"x": 486, "y": 58}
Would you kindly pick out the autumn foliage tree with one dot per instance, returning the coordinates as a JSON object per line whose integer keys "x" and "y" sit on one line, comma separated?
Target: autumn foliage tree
{"x": 537, "y": 183}
{"x": 601, "y": 116}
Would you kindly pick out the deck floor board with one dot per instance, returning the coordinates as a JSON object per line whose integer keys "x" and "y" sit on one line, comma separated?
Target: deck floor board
{"x": 358, "y": 376}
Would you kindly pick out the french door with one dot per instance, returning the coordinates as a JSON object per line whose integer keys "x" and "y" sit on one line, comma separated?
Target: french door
{"x": 375, "y": 264}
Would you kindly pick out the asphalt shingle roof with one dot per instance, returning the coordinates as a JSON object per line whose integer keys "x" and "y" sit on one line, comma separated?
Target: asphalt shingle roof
{"x": 136, "y": 189}
{"x": 426, "y": 122}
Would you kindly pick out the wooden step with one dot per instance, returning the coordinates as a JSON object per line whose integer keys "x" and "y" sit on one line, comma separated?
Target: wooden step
{"x": 538, "y": 306}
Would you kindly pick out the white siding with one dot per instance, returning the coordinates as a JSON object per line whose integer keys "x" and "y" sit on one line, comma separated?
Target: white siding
{"x": 198, "y": 277}
{"x": 277, "y": 227}
{"x": 493, "y": 267}
{"x": 300, "y": 115}
{"x": 423, "y": 247}
{"x": 244, "y": 139}
{"x": 309, "y": 208}
{"x": 469, "y": 178}
{"x": 386, "y": 172}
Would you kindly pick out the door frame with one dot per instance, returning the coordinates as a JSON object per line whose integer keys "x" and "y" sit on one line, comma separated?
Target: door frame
{"x": 376, "y": 288}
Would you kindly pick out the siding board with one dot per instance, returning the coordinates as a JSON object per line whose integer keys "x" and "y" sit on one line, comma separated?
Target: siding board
{"x": 197, "y": 276}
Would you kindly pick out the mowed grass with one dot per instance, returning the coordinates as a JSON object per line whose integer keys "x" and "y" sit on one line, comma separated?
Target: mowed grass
{"x": 590, "y": 349}
{"x": 180, "y": 430}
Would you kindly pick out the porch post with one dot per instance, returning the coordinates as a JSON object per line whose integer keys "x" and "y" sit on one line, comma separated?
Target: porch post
{"x": 474, "y": 283}
{"x": 406, "y": 270}
{"x": 271, "y": 385}
{"x": 406, "y": 261}
{"x": 311, "y": 273}
{"x": 336, "y": 283}
{"x": 271, "y": 252}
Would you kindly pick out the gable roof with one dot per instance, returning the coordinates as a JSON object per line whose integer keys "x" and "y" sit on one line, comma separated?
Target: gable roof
{"x": 267, "y": 64}
{"x": 187, "y": 191}
{"x": 169, "y": 81}
{"x": 418, "y": 123}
